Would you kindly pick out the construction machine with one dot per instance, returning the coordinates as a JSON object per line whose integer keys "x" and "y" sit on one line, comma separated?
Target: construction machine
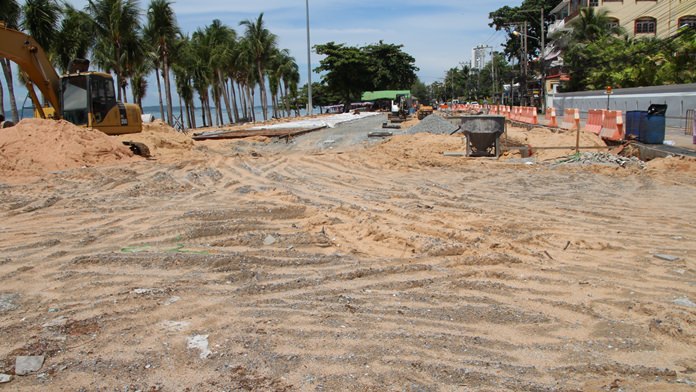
{"x": 424, "y": 111}
{"x": 82, "y": 97}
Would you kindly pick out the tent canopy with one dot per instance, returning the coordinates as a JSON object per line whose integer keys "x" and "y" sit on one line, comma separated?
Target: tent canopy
{"x": 385, "y": 94}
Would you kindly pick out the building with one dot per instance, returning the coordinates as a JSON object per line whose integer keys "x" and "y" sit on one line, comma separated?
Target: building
{"x": 480, "y": 56}
{"x": 649, "y": 18}
{"x": 639, "y": 18}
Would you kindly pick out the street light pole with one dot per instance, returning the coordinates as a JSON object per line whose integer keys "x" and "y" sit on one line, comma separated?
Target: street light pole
{"x": 310, "y": 107}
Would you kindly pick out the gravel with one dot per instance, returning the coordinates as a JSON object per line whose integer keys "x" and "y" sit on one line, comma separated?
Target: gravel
{"x": 432, "y": 124}
{"x": 602, "y": 158}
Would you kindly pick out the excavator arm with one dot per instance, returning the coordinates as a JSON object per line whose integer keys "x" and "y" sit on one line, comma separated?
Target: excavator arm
{"x": 31, "y": 58}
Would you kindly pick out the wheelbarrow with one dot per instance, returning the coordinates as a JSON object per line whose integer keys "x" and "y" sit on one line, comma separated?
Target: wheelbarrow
{"x": 482, "y": 134}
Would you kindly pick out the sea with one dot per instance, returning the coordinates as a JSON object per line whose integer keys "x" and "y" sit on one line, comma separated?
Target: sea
{"x": 28, "y": 112}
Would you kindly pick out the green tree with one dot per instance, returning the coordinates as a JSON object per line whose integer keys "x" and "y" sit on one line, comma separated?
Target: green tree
{"x": 347, "y": 71}
{"x": 117, "y": 27}
{"x": 391, "y": 68}
{"x": 40, "y": 21}
{"x": 10, "y": 13}
{"x": 74, "y": 38}
{"x": 161, "y": 31}
{"x": 260, "y": 43}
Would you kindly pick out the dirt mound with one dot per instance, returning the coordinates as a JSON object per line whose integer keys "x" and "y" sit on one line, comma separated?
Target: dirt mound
{"x": 162, "y": 140}
{"x": 421, "y": 149}
{"x": 35, "y": 146}
{"x": 681, "y": 165}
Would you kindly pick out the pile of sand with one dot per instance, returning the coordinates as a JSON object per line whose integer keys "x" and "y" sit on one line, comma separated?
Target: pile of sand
{"x": 162, "y": 140}
{"x": 35, "y": 146}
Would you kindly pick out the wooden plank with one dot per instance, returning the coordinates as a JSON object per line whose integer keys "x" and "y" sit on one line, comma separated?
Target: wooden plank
{"x": 279, "y": 132}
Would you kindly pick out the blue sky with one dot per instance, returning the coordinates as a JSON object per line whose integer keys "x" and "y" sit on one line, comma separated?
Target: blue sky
{"x": 438, "y": 34}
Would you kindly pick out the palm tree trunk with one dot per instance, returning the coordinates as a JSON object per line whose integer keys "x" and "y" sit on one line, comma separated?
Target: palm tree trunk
{"x": 225, "y": 95}
{"x": 159, "y": 91}
{"x": 243, "y": 101}
{"x": 2, "y": 99}
{"x": 202, "y": 110}
{"x": 250, "y": 102}
{"x": 7, "y": 69}
{"x": 181, "y": 113}
{"x": 167, "y": 88}
{"x": 188, "y": 114}
{"x": 262, "y": 84}
{"x": 207, "y": 108}
{"x": 234, "y": 101}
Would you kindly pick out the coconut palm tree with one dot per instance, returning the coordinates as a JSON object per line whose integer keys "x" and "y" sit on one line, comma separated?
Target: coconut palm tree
{"x": 222, "y": 40}
{"x": 40, "y": 20}
{"x": 183, "y": 67}
{"x": 202, "y": 76}
{"x": 261, "y": 43}
{"x": 74, "y": 38}
{"x": 593, "y": 24}
{"x": 117, "y": 25}
{"x": 162, "y": 29}
{"x": 10, "y": 13}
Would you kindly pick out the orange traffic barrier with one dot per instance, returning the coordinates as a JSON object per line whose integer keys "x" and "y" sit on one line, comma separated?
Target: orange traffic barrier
{"x": 612, "y": 127}
{"x": 529, "y": 115}
{"x": 571, "y": 119}
{"x": 595, "y": 121}
{"x": 551, "y": 117}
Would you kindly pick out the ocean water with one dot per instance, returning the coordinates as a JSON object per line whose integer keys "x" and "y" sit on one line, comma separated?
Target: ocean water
{"x": 155, "y": 111}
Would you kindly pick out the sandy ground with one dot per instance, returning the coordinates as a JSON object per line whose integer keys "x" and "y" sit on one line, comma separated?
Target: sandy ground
{"x": 263, "y": 265}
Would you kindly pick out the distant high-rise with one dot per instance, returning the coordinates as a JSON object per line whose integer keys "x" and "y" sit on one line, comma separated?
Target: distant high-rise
{"x": 480, "y": 56}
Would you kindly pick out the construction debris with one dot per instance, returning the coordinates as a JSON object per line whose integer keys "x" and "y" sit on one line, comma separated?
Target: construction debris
{"x": 600, "y": 158}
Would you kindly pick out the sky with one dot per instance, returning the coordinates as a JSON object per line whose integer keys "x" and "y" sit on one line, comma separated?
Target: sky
{"x": 439, "y": 34}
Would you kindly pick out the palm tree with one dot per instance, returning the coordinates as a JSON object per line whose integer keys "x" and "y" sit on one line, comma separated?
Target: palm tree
{"x": 183, "y": 68}
{"x": 40, "y": 21}
{"x": 162, "y": 29}
{"x": 593, "y": 24}
{"x": 116, "y": 23}
{"x": 222, "y": 41}
{"x": 74, "y": 37}
{"x": 202, "y": 75}
{"x": 10, "y": 13}
{"x": 261, "y": 43}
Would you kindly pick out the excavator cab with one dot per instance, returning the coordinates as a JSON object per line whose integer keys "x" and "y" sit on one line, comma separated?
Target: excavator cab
{"x": 89, "y": 99}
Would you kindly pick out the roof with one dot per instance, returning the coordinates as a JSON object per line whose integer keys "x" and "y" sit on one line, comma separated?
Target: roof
{"x": 385, "y": 94}
{"x": 559, "y": 7}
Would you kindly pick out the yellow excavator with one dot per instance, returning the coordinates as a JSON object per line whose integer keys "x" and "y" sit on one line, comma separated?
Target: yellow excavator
{"x": 81, "y": 97}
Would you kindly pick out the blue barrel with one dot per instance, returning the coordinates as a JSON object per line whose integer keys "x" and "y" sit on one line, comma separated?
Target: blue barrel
{"x": 652, "y": 129}
{"x": 633, "y": 119}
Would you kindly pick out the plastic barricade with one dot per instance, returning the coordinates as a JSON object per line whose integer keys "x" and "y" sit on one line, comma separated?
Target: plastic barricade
{"x": 571, "y": 119}
{"x": 613, "y": 126}
{"x": 595, "y": 120}
{"x": 551, "y": 120}
{"x": 530, "y": 115}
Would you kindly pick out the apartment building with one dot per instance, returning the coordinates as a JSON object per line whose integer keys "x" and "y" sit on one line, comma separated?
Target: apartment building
{"x": 658, "y": 18}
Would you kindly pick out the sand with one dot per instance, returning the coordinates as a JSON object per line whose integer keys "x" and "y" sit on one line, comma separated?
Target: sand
{"x": 238, "y": 265}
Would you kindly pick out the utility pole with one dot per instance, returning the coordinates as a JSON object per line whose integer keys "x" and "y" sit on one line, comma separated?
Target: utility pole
{"x": 542, "y": 64}
{"x": 310, "y": 107}
{"x": 525, "y": 64}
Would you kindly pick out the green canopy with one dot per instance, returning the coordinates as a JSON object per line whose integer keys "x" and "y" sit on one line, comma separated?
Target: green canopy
{"x": 386, "y": 94}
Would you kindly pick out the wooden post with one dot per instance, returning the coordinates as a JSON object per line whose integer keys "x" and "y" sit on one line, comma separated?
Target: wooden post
{"x": 577, "y": 139}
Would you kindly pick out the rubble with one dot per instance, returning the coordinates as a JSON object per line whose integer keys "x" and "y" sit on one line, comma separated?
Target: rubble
{"x": 600, "y": 158}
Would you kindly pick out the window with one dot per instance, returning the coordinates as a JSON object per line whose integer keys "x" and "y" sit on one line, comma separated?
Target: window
{"x": 689, "y": 20}
{"x": 594, "y": 3}
{"x": 613, "y": 23}
{"x": 645, "y": 25}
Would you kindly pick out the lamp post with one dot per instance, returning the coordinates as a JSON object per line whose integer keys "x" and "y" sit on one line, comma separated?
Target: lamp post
{"x": 310, "y": 107}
